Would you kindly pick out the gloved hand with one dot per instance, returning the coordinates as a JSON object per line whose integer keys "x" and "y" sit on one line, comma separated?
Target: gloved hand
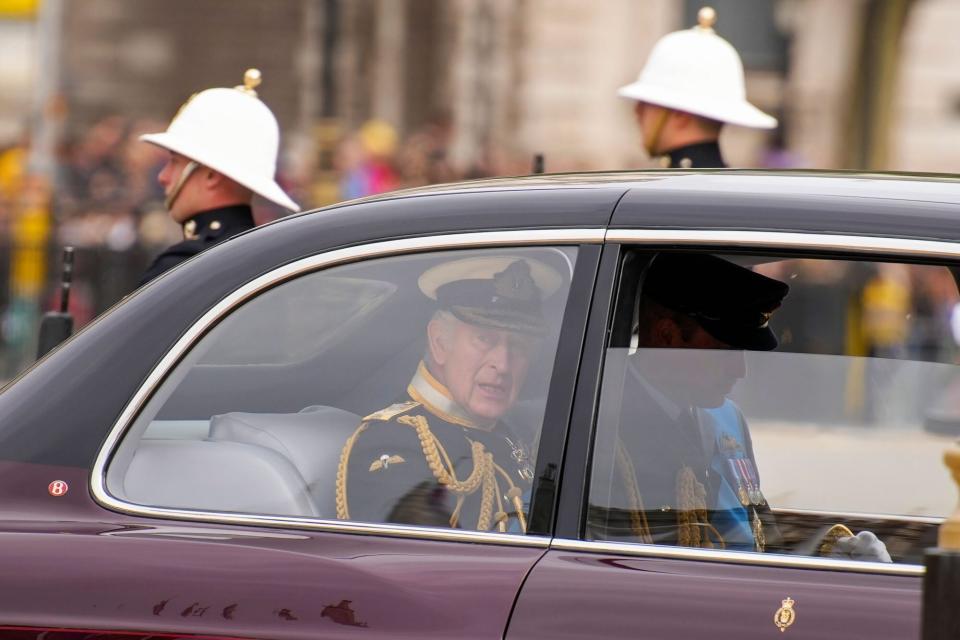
{"x": 863, "y": 546}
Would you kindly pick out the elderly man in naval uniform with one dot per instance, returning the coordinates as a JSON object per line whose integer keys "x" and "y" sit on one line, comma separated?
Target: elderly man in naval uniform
{"x": 442, "y": 454}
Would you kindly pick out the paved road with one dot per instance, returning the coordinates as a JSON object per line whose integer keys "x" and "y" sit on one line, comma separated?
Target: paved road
{"x": 855, "y": 469}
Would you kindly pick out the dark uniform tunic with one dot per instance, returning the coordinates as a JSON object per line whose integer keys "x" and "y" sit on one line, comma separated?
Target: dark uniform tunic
{"x": 424, "y": 461}
{"x": 668, "y": 468}
{"x": 202, "y": 231}
{"x": 703, "y": 155}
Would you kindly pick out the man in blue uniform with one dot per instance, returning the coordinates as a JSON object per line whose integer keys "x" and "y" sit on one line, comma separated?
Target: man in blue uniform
{"x": 691, "y": 86}
{"x": 223, "y": 148}
{"x": 442, "y": 455}
{"x": 685, "y": 467}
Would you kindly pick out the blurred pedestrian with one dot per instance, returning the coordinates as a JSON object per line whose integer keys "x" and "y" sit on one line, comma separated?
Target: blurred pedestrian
{"x": 691, "y": 85}
{"x": 223, "y": 146}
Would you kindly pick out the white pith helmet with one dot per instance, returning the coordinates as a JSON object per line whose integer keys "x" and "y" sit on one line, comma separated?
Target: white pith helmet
{"x": 232, "y": 132}
{"x": 697, "y": 71}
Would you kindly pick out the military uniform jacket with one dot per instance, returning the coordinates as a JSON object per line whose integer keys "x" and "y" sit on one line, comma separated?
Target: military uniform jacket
{"x": 202, "y": 231}
{"x": 664, "y": 478}
{"x": 703, "y": 155}
{"x": 423, "y": 461}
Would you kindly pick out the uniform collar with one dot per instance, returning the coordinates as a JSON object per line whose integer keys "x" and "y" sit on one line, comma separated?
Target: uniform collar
{"x": 213, "y": 222}
{"x": 703, "y": 155}
{"x": 432, "y": 394}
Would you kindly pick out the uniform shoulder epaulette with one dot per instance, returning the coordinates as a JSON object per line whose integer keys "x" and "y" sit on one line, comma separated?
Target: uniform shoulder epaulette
{"x": 392, "y": 411}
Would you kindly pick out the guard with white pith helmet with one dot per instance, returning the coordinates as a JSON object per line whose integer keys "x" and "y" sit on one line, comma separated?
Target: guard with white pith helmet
{"x": 691, "y": 85}
{"x": 223, "y": 146}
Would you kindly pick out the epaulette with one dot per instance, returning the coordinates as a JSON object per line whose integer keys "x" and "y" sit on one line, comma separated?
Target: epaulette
{"x": 392, "y": 411}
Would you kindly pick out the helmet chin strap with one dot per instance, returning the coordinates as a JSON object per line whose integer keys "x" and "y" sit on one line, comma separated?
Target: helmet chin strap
{"x": 182, "y": 180}
{"x": 652, "y": 142}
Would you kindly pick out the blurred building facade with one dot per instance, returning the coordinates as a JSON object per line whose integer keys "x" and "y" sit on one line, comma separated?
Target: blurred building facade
{"x": 858, "y": 84}
{"x": 373, "y": 95}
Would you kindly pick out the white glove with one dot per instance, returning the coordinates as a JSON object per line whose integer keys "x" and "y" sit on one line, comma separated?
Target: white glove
{"x": 863, "y": 546}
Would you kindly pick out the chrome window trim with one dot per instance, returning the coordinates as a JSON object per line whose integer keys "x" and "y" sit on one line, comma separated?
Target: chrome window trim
{"x": 784, "y": 239}
{"x": 327, "y": 259}
{"x": 335, "y": 526}
{"x": 842, "y": 515}
{"x": 734, "y": 557}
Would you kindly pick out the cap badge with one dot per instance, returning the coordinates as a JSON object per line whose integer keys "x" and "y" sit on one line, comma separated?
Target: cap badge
{"x": 515, "y": 282}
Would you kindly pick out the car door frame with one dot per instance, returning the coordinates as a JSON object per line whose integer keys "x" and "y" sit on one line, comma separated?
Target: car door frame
{"x": 396, "y": 540}
{"x": 569, "y": 548}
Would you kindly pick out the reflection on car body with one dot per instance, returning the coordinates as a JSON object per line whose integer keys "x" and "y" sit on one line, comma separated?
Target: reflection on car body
{"x": 212, "y": 413}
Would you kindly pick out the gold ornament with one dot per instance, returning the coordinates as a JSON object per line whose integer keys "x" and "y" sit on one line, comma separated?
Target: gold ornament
{"x": 706, "y": 18}
{"x": 251, "y": 80}
{"x": 785, "y": 615}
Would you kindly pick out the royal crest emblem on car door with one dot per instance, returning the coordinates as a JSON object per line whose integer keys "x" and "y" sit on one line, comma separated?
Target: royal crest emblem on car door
{"x": 785, "y": 615}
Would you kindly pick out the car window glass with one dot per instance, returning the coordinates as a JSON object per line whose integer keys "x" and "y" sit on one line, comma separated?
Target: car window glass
{"x": 745, "y": 414}
{"x": 406, "y": 389}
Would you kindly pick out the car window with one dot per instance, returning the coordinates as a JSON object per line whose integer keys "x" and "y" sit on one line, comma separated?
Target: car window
{"x": 405, "y": 389}
{"x": 778, "y": 405}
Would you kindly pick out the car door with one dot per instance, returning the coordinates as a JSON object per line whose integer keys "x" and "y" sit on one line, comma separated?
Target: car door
{"x": 220, "y": 476}
{"x": 843, "y": 423}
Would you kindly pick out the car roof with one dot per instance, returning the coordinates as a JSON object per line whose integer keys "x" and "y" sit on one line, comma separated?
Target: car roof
{"x": 906, "y": 205}
{"x": 888, "y": 185}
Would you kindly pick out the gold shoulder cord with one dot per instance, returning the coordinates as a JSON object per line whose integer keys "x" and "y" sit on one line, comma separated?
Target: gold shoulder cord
{"x": 343, "y": 510}
{"x": 483, "y": 476}
{"x": 694, "y": 528}
{"x": 638, "y": 513}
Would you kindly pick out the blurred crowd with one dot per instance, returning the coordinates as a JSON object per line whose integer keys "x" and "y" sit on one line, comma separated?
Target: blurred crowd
{"x": 103, "y": 199}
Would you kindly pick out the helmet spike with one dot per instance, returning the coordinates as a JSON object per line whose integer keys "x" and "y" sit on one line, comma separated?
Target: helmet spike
{"x": 251, "y": 80}
{"x": 706, "y": 18}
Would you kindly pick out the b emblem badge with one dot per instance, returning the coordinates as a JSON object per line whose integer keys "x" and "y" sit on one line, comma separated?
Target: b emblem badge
{"x": 57, "y": 488}
{"x": 785, "y": 615}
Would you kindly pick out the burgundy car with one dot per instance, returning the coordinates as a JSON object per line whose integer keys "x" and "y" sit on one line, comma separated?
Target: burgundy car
{"x": 171, "y": 471}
